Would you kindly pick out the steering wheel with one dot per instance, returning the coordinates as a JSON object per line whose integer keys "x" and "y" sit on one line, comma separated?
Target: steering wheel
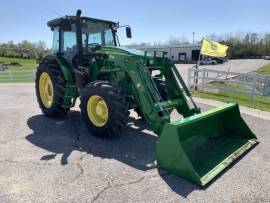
{"x": 94, "y": 46}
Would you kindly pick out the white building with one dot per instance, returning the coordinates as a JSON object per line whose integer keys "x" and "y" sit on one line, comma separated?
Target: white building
{"x": 180, "y": 53}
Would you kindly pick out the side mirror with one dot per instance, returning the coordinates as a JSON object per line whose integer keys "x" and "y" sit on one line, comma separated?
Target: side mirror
{"x": 128, "y": 32}
{"x": 65, "y": 25}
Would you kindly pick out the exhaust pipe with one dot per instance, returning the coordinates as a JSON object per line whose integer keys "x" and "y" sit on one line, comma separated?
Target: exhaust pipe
{"x": 79, "y": 32}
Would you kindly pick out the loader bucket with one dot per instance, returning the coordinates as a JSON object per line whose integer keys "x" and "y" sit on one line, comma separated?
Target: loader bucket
{"x": 199, "y": 147}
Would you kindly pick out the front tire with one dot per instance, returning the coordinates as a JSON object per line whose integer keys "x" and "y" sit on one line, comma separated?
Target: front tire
{"x": 104, "y": 108}
{"x": 50, "y": 90}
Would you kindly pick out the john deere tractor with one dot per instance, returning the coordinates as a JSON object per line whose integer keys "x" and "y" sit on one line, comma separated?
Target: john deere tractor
{"x": 88, "y": 63}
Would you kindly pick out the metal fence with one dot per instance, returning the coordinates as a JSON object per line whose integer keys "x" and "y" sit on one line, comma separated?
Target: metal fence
{"x": 17, "y": 76}
{"x": 244, "y": 83}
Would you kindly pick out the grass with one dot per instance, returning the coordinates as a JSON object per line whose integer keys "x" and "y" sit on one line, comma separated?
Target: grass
{"x": 17, "y": 81}
{"x": 260, "y": 102}
{"x": 22, "y": 79}
{"x": 264, "y": 70}
{"x": 230, "y": 85}
{"x": 26, "y": 64}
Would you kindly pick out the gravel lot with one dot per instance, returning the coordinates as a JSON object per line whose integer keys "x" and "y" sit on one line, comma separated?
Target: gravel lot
{"x": 240, "y": 66}
{"x": 45, "y": 160}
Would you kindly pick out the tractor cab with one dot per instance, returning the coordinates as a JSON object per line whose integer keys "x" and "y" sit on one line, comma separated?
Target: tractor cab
{"x": 74, "y": 36}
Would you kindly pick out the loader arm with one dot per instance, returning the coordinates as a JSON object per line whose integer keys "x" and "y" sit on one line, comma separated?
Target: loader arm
{"x": 155, "y": 110}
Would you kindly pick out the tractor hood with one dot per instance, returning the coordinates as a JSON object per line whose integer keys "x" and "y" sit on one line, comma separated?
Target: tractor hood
{"x": 124, "y": 51}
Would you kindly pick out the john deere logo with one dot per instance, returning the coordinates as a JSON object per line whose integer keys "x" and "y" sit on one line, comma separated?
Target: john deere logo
{"x": 214, "y": 47}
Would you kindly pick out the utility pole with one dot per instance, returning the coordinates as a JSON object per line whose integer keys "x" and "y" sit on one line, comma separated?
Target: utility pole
{"x": 193, "y": 33}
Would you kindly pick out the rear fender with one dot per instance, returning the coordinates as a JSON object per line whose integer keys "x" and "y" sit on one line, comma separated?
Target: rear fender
{"x": 71, "y": 91}
{"x": 65, "y": 67}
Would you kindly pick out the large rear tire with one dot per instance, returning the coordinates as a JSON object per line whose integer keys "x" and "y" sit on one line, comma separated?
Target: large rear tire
{"x": 104, "y": 108}
{"x": 50, "y": 90}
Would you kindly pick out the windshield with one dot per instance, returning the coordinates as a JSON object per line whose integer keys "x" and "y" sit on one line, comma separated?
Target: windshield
{"x": 92, "y": 32}
{"x": 98, "y": 33}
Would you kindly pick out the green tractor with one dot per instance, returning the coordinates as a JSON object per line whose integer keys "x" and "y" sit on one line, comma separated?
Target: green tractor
{"x": 88, "y": 63}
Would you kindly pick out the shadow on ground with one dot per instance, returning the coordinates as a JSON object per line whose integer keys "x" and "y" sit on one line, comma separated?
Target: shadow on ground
{"x": 134, "y": 147}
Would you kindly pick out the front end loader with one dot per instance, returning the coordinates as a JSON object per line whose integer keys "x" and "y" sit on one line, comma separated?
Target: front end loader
{"x": 88, "y": 63}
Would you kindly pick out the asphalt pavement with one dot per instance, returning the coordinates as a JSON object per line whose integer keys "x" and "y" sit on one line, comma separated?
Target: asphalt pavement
{"x": 48, "y": 160}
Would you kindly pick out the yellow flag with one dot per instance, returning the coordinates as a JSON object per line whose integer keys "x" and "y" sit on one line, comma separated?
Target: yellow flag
{"x": 214, "y": 49}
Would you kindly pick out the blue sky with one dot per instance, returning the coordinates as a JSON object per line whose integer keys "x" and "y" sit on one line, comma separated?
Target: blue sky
{"x": 151, "y": 20}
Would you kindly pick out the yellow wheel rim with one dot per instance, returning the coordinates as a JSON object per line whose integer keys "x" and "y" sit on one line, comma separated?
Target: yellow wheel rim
{"x": 97, "y": 111}
{"x": 46, "y": 89}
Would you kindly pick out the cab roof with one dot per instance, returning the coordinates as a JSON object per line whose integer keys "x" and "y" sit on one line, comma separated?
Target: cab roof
{"x": 56, "y": 22}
